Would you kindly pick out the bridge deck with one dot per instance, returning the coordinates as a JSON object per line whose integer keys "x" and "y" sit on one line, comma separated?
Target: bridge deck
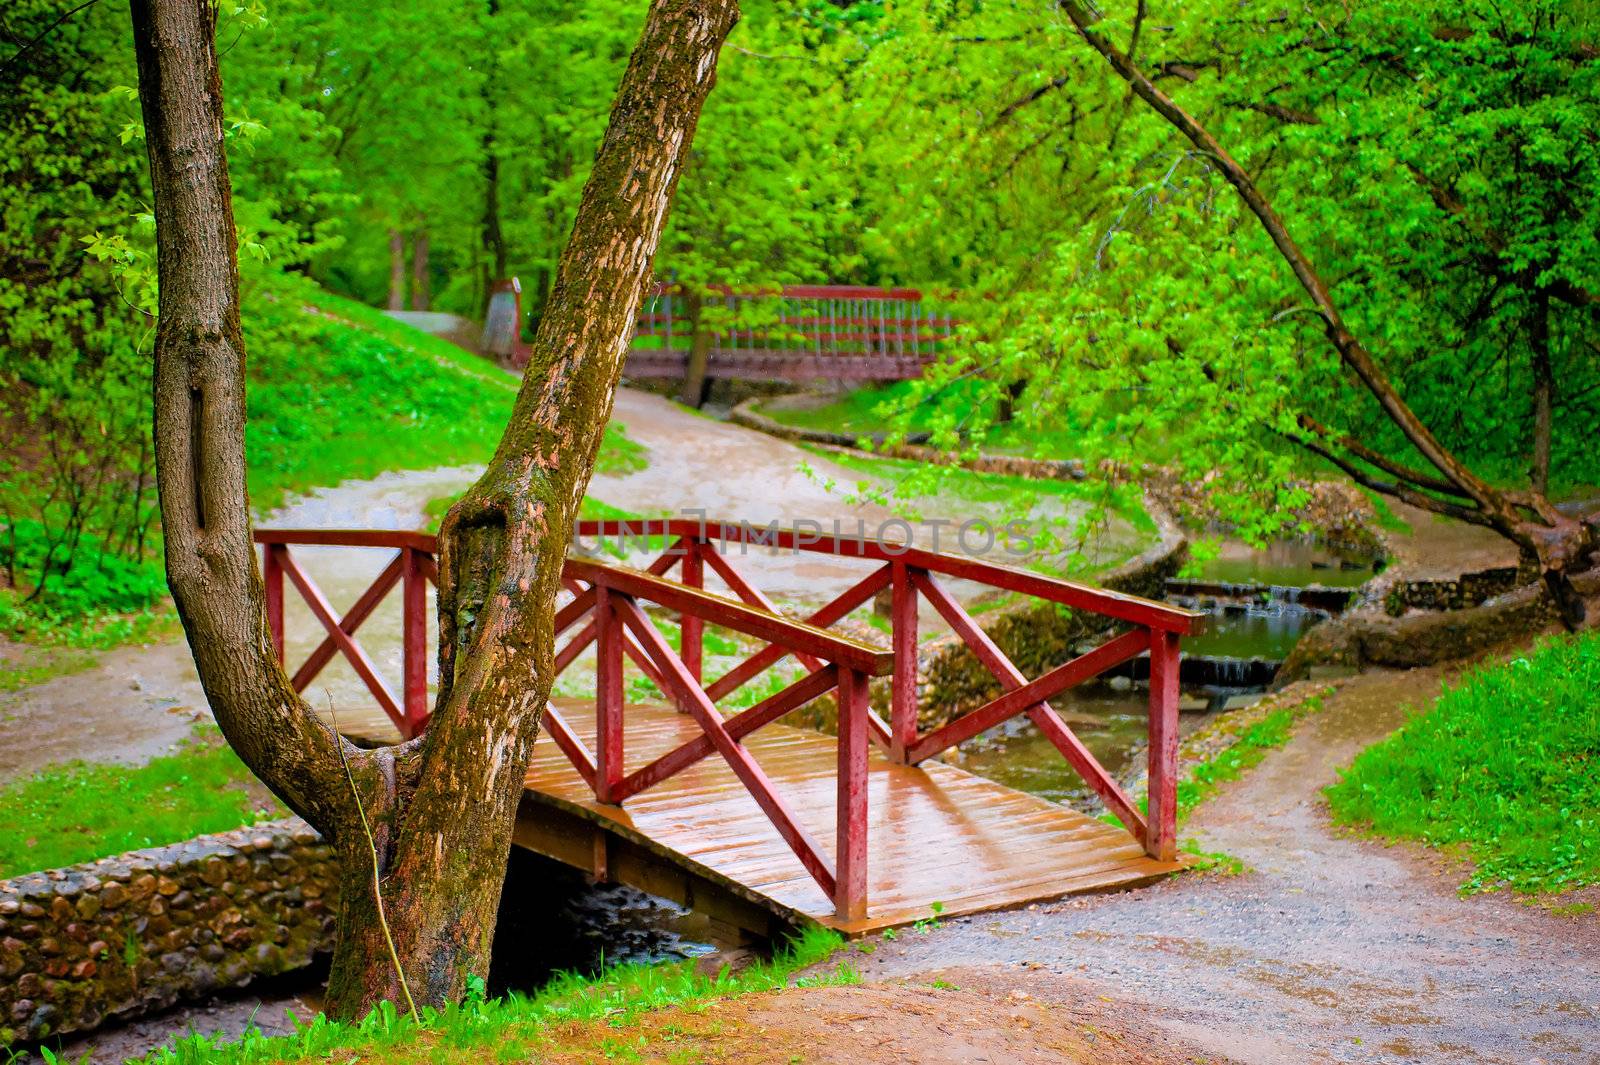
{"x": 937, "y": 834}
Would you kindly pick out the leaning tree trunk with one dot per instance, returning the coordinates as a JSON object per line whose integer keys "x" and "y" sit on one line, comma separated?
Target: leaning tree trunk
{"x": 441, "y": 807}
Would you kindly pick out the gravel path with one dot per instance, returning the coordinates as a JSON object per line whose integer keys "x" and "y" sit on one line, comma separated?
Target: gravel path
{"x": 138, "y": 702}
{"x": 1330, "y": 949}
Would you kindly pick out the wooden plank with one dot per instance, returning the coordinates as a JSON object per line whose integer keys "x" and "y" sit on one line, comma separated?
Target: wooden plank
{"x": 608, "y": 694}
{"x": 765, "y": 712}
{"x": 322, "y": 610}
{"x": 845, "y": 602}
{"x": 903, "y": 702}
{"x": 358, "y": 613}
{"x": 1077, "y": 755}
{"x": 939, "y": 834}
{"x": 1033, "y": 693}
{"x": 1124, "y": 607}
{"x": 414, "y": 625}
{"x": 850, "y": 802}
{"x": 691, "y": 629}
{"x": 755, "y": 597}
{"x": 272, "y": 583}
{"x": 396, "y": 538}
{"x": 746, "y": 768}
{"x": 795, "y": 635}
{"x": 582, "y": 759}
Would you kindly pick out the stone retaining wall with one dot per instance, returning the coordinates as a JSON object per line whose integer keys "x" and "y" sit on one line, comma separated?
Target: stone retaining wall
{"x": 1370, "y": 638}
{"x": 1466, "y": 590}
{"x": 141, "y": 931}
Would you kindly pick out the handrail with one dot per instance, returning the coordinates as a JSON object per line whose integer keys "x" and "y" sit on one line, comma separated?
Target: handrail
{"x": 1120, "y": 605}
{"x": 730, "y": 613}
{"x": 604, "y": 611}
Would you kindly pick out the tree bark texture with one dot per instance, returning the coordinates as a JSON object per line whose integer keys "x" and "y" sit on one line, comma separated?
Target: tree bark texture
{"x": 442, "y": 806}
{"x": 1564, "y": 545}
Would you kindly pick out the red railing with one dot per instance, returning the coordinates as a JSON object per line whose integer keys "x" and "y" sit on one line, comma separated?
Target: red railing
{"x": 605, "y": 600}
{"x": 605, "y": 610}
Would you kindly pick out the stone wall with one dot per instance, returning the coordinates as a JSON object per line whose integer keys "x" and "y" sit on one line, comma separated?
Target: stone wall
{"x": 143, "y": 930}
{"x": 1466, "y": 590}
{"x": 1369, "y": 638}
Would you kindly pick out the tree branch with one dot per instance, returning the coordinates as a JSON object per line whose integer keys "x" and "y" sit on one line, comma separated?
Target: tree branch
{"x": 1351, "y": 351}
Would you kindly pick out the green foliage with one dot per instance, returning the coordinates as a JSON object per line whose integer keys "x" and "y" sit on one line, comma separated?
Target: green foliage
{"x": 330, "y": 401}
{"x": 79, "y": 812}
{"x": 518, "y": 1027}
{"x": 74, "y": 325}
{"x": 1504, "y": 767}
{"x": 1432, "y": 159}
{"x": 88, "y": 580}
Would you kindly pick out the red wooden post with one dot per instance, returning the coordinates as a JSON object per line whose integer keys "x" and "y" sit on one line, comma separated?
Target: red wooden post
{"x": 1161, "y": 823}
{"x": 608, "y": 696}
{"x": 850, "y": 870}
{"x": 414, "y": 620}
{"x": 903, "y": 694}
{"x": 693, "y": 628}
{"x": 272, "y": 578}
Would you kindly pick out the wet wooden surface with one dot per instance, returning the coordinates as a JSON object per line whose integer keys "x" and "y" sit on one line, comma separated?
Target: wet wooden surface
{"x": 937, "y": 834}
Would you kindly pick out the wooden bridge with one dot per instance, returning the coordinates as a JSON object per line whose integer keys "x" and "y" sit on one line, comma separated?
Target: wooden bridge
{"x": 757, "y": 823}
{"x": 788, "y": 333}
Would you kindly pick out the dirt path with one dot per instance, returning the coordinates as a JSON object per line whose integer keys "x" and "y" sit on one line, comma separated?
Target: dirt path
{"x": 138, "y": 702}
{"x": 1439, "y": 548}
{"x": 1330, "y": 949}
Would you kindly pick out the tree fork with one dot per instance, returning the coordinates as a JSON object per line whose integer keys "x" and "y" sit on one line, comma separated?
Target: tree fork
{"x": 442, "y": 806}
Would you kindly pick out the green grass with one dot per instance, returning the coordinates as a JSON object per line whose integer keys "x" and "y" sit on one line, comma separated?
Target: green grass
{"x": 1503, "y": 769}
{"x": 519, "y": 1028}
{"x": 79, "y": 812}
{"x": 881, "y": 408}
{"x": 1016, "y": 494}
{"x": 338, "y": 392}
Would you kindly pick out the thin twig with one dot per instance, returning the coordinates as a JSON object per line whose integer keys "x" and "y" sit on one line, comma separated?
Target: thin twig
{"x": 20, "y": 52}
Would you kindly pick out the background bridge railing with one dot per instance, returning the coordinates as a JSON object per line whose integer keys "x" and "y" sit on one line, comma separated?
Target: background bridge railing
{"x": 787, "y": 333}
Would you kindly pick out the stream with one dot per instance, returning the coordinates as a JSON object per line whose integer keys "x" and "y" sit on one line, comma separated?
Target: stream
{"x": 1259, "y": 606}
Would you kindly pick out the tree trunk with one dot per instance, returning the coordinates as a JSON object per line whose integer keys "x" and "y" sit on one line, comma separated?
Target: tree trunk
{"x": 441, "y": 807}
{"x": 421, "y": 289}
{"x": 397, "y": 270}
{"x": 695, "y": 383}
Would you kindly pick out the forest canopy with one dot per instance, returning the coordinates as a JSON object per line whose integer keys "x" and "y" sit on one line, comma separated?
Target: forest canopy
{"x": 1438, "y": 161}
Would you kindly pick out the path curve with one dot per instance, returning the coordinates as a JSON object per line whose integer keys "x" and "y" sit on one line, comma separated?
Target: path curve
{"x": 1330, "y": 949}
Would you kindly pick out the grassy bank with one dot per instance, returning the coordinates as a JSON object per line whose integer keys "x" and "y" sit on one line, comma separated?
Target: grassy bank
{"x": 895, "y": 406}
{"x": 1503, "y": 769}
{"x": 1056, "y": 526}
{"x": 580, "y": 1018}
{"x": 79, "y": 812}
